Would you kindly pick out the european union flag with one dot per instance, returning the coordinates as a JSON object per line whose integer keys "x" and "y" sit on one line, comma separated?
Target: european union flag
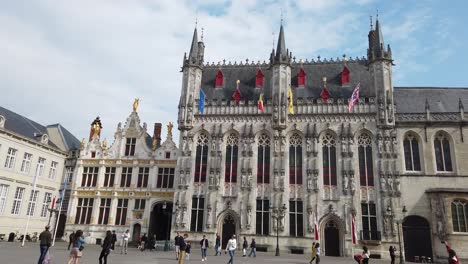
{"x": 201, "y": 101}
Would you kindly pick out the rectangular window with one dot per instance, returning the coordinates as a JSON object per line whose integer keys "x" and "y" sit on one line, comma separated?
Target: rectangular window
{"x": 104, "y": 210}
{"x": 196, "y": 223}
{"x": 165, "y": 178}
{"x": 126, "y": 178}
{"x": 53, "y": 169}
{"x": 40, "y": 167}
{"x": 296, "y": 219}
{"x": 10, "y": 159}
{"x": 201, "y": 161}
{"x": 3, "y": 197}
{"x": 69, "y": 175}
{"x": 140, "y": 204}
{"x": 32, "y": 203}
{"x": 263, "y": 164}
{"x": 84, "y": 211}
{"x": 366, "y": 167}
{"x": 130, "y": 147}
{"x": 295, "y": 164}
{"x": 230, "y": 173}
{"x": 16, "y": 208}
{"x": 263, "y": 218}
{"x": 45, "y": 204}
{"x": 26, "y": 164}
{"x": 143, "y": 174}
{"x": 369, "y": 222}
{"x": 329, "y": 165}
{"x": 109, "y": 177}
{"x": 90, "y": 175}
{"x": 121, "y": 216}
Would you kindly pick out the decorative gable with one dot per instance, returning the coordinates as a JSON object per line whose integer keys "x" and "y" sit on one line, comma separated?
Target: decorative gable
{"x": 345, "y": 75}
{"x": 301, "y": 78}
{"x": 259, "y": 78}
{"x": 219, "y": 82}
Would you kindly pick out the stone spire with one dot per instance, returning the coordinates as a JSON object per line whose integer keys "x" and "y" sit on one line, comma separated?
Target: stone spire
{"x": 282, "y": 53}
{"x": 195, "y": 57}
{"x": 377, "y": 48}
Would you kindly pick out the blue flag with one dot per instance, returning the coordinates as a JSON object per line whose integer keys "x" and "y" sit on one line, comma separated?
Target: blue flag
{"x": 201, "y": 101}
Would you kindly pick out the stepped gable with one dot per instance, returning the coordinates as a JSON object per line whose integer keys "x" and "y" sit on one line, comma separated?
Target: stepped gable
{"x": 440, "y": 99}
{"x": 314, "y": 70}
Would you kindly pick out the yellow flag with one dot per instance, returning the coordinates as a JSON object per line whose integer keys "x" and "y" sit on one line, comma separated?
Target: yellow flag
{"x": 290, "y": 100}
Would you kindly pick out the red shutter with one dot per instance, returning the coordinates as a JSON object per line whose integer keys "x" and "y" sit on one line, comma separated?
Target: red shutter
{"x": 219, "y": 79}
{"x": 301, "y": 78}
{"x": 259, "y": 78}
{"x": 345, "y": 76}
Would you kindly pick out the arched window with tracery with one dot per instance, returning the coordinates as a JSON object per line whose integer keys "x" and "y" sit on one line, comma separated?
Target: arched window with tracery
{"x": 411, "y": 151}
{"x": 230, "y": 173}
{"x": 460, "y": 216}
{"x": 295, "y": 159}
{"x": 201, "y": 158}
{"x": 442, "y": 153}
{"x": 263, "y": 159}
{"x": 366, "y": 168}
{"x": 329, "y": 159}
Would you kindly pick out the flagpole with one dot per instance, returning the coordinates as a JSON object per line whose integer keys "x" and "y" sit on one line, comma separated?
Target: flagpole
{"x": 29, "y": 213}
{"x": 62, "y": 196}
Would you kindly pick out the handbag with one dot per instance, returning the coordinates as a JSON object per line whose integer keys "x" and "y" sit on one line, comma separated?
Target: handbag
{"x": 81, "y": 248}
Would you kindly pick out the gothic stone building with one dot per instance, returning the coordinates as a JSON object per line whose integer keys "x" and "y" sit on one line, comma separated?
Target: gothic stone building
{"x": 397, "y": 156}
{"x": 127, "y": 185}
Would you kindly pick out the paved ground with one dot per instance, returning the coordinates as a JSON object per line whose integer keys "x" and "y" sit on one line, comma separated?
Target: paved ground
{"x": 14, "y": 253}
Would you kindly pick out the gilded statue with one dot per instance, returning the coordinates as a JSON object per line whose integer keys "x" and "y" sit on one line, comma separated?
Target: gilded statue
{"x": 169, "y": 129}
{"x": 83, "y": 142}
{"x": 104, "y": 144}
{"x": 97, "y": 129}
{"x": 135, "y": 104}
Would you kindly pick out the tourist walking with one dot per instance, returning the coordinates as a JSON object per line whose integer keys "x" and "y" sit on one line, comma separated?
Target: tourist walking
{"x": 392, "y": 250}
{"x": 188, "y": 248}
{"x": 204, "y": 247}
{"x": 77, "y": 250}
{"x": 125, "y": 238}
{"x": 253, "y": 248}
{"x": 218, "y": 245}
{"x": 144, "y": 242}
{"x": 453, "y": 259}
{"x": 70, "y": 238}
{"x": 231, "y": 247}
{"x": 245, "y": 245}
{"x": 106, "y": 247}
{"x": 114, "y": 239}
{"x": 182, "y": 248}
{"x": 317, "y": 253}
{"x": 177, "y": 244}
{"x": 365, "y": 255}
{"x": 46, "y": 238}
{"x": 314, "y": 253}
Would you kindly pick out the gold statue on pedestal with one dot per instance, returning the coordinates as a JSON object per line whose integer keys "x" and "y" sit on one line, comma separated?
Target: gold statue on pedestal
{"x": 83, "y": 142}
{"x": 104, "y": 144}
{"x": 135, "y": 104}
{"x": 169, "y": 129}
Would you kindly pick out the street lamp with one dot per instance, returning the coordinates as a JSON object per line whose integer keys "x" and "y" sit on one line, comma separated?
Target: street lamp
{"x": 168, "y": 214}
{"x": 278, "y": 214}
{"x": 400, "y": 222}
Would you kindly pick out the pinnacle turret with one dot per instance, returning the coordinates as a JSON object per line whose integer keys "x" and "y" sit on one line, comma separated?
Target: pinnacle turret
{"x": 195, "y": 56}
{"x": 282, "y": 53}
{"x": 377, "y": 48}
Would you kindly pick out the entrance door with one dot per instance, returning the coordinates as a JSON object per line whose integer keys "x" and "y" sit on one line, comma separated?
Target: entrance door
{"x": 417, "y": 238}
{"x": 160, "y": 221}
{"x": 332, "y": 239}
{"x": 136, "y": 232}
{"x": 229, "y": 229}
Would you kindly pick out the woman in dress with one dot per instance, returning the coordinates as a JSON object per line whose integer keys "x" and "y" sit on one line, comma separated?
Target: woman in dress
{"x": 77, "y": 251}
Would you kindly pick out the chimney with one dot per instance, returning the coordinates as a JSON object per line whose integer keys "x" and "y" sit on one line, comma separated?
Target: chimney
{"x": 157, "y": 135}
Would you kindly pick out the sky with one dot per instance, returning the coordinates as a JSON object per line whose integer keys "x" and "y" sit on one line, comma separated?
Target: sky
{"x": 69, "y": 61}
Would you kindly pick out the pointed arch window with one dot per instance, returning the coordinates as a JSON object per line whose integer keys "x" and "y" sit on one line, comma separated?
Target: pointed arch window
{"x": 219, "y": 81}
{"x": 329, "y": 159}
{"x": 460, "y": 216}
{"x": 263, "y": 159}
{"x": 345, "y": 76}
{"x": 442, "y": 153}
{"x": 259, "y": 78}
{"x": 201, "y": 158}
{"x": 411, "y": 151}
{"x": 301, "y": 78}
{"x": 232, "y": 149}
{"x": 366, "y": 168}
{"x": 295, "y": 159}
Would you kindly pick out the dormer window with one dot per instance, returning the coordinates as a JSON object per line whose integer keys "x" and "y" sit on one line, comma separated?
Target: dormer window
{"x": 130, "y": 147}
{"x": 259, "y": 79}
{"x": 219, "y": 82}
{"x": 301, "y": 78}
{"x": 345, "y": 76}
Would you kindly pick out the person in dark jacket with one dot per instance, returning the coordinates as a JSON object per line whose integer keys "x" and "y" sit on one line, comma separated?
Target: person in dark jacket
{"x": 106, "y": 247}
{"x": 114, "y": 239}
{"x": 253, "y": 248}
{"x": 245, "y": 245}
{"x": 204, "y": 247}
{"x": 218, "y": 245}
{"x": 46, "y": 238}
{"x": 71, "y": 237}
{"x": 392, "y": 250}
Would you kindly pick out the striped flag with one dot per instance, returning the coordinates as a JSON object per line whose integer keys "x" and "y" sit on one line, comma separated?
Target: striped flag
{"x": 354, "y": 98}
{"x": 316, "y": 231}
{"x": 201, "y": 101}
{"x": 353, "y": 229}
{"x": 260, "y": 103}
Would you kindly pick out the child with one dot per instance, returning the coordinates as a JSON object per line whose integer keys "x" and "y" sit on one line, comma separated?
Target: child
{"x": 187, "y": 251}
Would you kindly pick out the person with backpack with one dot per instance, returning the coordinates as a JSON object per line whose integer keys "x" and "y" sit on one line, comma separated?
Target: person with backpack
{"x": 253, "y": 248}
{"x": 106, "y": 247}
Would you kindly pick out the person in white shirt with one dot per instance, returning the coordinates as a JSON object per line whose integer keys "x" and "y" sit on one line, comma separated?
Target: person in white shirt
{"x": 125, "y": 238}
{"x": 317, "y": 253}
{"x": 231, "y": 247}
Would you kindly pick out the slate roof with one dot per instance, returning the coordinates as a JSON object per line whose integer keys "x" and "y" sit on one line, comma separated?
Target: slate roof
{"x": 69, "y": 139}
{"x": 314, "y": 84}
{"x": 441, "y": 100}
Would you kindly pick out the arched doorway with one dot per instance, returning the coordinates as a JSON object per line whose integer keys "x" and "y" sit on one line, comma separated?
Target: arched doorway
{"x": 136, "y": 232}
{"x": 416, "y": 237}
{"x": 160, "y": 221}
{"x": 332, "y": 239}
{"x": 228, "y": 225}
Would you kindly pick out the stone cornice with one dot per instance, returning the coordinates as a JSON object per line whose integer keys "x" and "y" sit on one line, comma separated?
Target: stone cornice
{"x": 449, "y": 117}
{"x": 34, "y": 143}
